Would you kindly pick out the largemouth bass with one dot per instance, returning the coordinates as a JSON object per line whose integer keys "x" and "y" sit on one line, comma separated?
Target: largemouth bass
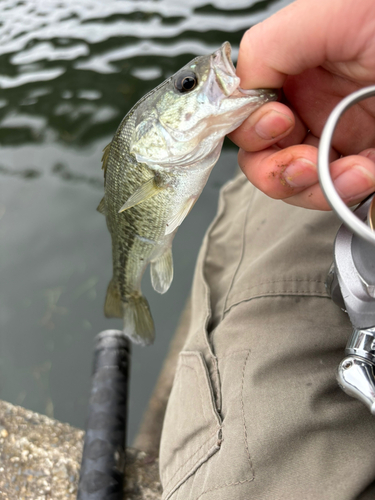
{"x": 155, "y": 169}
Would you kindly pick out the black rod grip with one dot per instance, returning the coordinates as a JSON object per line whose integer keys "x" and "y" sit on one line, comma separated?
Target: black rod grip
{"x": 103, "y": 457}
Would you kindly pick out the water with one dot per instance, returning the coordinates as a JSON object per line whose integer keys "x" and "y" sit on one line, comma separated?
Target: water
{"x": 69, "y": 72}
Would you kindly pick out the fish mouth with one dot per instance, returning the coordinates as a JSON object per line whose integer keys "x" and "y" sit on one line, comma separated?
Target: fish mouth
{"x": 224, "y": 69}
{"x": 226, "y": 55}
{"x": 229, "y": 82}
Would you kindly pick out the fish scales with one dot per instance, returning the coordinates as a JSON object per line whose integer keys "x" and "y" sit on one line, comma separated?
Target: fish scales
{"x": 155, "y": 169}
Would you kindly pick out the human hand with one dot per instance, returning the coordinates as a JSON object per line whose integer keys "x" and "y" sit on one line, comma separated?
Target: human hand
{"x": 318, "y": 52}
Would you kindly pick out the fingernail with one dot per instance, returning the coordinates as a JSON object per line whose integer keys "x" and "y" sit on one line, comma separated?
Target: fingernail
{"x": 370, "y": 154}
{"x": 300, "y": 173}
{"x": 354, "y": 183}
{"x": 272, "y": 125}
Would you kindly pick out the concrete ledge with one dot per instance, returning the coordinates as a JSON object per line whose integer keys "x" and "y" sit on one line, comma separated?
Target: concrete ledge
{"x": 40, "y": 460}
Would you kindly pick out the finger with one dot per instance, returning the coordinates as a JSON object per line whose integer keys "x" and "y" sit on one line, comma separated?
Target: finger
{"x": 291, "y": 174}
{"x": 311, "y": 140}
{"x": 353, "y": 178}
{"x": 297, "y": 135}
{"x": 288, "y": 42}
{"x": 272, "y": 123}
{"x": 264, "y": 127}
{"x": 280, "y": 173}
{"x": 355, "y": 130}
{"x": 368, "y": 153}
{"x": 299, "y": 132}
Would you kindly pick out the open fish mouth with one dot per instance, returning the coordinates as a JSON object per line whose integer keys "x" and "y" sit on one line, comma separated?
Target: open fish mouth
{"x": 226, "y": 54}
{"x": 224, "y": 69}
{"x": 227, "y": 79}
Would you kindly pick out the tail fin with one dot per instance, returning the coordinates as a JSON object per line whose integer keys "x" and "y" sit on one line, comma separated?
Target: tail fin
{"x": 138, "y": 322}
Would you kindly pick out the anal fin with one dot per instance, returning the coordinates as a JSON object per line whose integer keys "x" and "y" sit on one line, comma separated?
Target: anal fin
{"x": 161, "y": 271}
{"x": 146, "y": 191}
{"x": 101, "y": 207}
{"x": 177, "y": 218}
{"x": 113, "y": 305}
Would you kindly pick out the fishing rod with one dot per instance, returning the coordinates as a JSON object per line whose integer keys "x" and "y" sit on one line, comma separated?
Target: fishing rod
{"x": 104, "y": 449}
{"x": 351, "y": 279}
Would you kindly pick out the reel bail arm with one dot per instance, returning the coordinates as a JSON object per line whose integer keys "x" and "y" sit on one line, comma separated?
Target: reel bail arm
{"x": 351, "y": 279}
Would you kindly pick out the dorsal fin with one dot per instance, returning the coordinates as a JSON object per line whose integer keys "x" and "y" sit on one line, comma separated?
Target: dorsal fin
{"x": 105, "y": 158}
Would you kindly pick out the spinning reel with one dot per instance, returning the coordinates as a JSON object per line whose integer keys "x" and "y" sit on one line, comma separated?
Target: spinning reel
{"x": 351, "y": 279}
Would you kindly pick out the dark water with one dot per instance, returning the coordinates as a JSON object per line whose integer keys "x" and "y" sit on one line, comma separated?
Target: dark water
{"x": 69, "y": 71}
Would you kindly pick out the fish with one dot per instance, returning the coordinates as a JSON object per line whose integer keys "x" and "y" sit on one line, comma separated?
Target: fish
{"x": 155, "y": 169}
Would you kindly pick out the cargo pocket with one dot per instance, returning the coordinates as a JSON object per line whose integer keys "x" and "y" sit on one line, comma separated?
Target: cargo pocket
{"x": 192, "y": 422}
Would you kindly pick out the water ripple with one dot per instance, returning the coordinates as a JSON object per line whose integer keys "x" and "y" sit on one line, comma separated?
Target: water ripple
{"x": 103, "y": 56}
{"x": 56, "y": 19}
{"x": 7, "y": 82}
{"x": 103, "y": 63}
{"x": 47, "y": 51}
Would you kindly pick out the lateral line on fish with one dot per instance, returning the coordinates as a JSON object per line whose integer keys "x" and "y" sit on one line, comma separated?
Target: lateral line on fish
{"x": 145, "y": 240}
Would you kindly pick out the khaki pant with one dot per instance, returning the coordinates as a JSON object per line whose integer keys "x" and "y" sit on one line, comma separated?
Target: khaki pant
{"x": 255, "y": 411}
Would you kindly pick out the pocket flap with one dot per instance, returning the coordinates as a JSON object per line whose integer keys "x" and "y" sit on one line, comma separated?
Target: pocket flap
{"x": 192, "y": 422}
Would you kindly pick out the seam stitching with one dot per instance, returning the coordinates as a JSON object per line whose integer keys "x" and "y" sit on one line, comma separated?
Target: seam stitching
{"x": 291, "y": 280}
{"x": 191, "y": 456}
{"x": 243, "y": 415}
{"x": 206, "y": 242}
{"x": 289, "y": 293}
{"x": 243, "y": 244}
{"x": 200, "y": 389}
{"x": 208, "y": 383}
{"x": 225, "y": 486}
{"x": 196, "y": 468}
{"x": 233, "y": 353}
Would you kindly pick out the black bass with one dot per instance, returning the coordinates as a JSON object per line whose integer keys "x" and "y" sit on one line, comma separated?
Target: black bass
{"x": 155, "y": 169}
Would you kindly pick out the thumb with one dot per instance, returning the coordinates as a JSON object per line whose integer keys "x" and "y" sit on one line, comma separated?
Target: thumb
{"x": 303, "y": 35}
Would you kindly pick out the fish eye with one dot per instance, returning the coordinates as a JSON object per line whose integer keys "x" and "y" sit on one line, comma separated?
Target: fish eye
{"x": 186, "y": 81}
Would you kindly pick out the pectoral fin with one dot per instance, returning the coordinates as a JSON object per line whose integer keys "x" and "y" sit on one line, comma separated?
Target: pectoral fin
{"x": 177, "y": 218}
{"x": 146, "y": 191}
{"x": 162, "y": 272}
